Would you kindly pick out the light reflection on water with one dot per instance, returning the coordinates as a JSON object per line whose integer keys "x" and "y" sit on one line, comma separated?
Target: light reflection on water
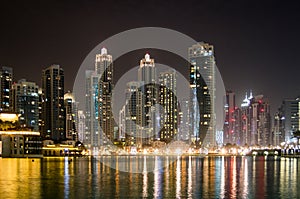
{"x": 182, "y": 177}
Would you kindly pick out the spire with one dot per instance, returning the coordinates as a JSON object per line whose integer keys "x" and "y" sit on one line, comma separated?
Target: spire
{"x": 103, "y": 51}
{"x": 251, "y": 96}
{"x": 147, "y": 57}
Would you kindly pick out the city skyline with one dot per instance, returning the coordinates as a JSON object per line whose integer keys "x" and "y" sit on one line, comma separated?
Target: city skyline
{"x": 149, "y": 99}
{"x": 254, "y": 134}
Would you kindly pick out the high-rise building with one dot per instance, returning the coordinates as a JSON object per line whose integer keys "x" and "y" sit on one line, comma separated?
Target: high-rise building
{"x": 168, "y": 100}
{"x": 278, "y": 129}
{"x": 132, "y": 108}
{"x": 26, "y": 103}
{"x": 93, "y": 138}
{"x": 232, "y": 119}
{"x": 104, "y": 67}
{"x": 184, "y": 120}
{"x": 41, "y": 116}
{"x": 202, "y": 84}
{"x": 122, "y": 124}
{"x": 256, "y": 121}
{"x": 148, "y": 114}
{"x": 53, "y": 103}
{"x": 290, "y": 113}
{"x": 71, "y": 116}
{"x": 81, "y": 129}
{"x": 261, "y": 121}
{"x": 246, "y": 120}
{"x": 6, "y": 75}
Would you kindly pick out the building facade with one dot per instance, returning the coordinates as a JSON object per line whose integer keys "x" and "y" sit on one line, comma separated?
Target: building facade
{"x": 71, "y": 116}
{"x": 202, "y": 84}
{"x": 6, "y": 75}
{"x": 289, "y": 111}
{"x": 147, "y": 114}
{"x": 168, "y": 100}
{"x": 93, "y": 138}
{"x": 25, "y": 100}
{"x": 53, "y": 111}
{"x": 104, "y": 67}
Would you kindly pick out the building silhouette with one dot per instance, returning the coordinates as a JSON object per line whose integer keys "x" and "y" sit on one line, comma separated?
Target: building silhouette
{"x": 71, "y": 116}
{"x": 147, "y": 113}
{"x": 25, "y": 100}
{"x": 202, "y": 84}
{"x": 6, "y": 75}
{"x": 168, "y": 101}
{"x": 53, "y": 111}
{"x": 104, "y": 67}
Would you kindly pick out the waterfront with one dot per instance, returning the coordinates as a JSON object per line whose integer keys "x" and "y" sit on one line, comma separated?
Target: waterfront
{"x": 183, "y": 177}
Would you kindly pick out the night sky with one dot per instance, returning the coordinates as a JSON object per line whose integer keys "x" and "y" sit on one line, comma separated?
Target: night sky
{"x": 256, "y": 42}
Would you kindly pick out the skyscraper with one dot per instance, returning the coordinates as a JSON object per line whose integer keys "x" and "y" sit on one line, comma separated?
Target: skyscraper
{"x": 93, "y": 138}
{"x": 260, "y": 121}
{"x": 232, "y": 119}
{"x": 98, "y": 111}
{"x": 147, "y": 77}
{"x": 104, "y": 67}
{"x": 184, "y": 120}
{"x": 168, "y": 100}
{"x": 81, "y": 129}
{"x": 278, "y": 129}
{"x": 202, "y": 84}
{"x": 26, "y": 103}
{"x": 246, "y": 120}
{"x": 132, "y": 108}
{"x": 53, "y": 103}
{"x": 71, "y": 116}
{"x": 6, "y": 75}
{"x": 256, "y": 121}
{"x": 290, "y": 109}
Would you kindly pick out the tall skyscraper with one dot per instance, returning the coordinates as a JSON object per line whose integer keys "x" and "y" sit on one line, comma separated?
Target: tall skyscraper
{"x": 256, "y": 121}
{"x": 184, "y": 120}
{"x": 122, "y": 124}
{"x": 41, "y": 115}
{"x": 147, "y": 77}
{"x": 168, "y": 100}
{"x": 53, "y": 103}
{"x": 202, "y": 84}
{"x": 104, "y": 67}
{"x": 278, "y": 129}
{"x": 261, "y": 121}
{"x": 71, "y": 116}
{"x": 290, "y": 111}
{"x": 26, "y": 103}
{"x": 81, "y": 127}
{"x": 132, "y": 108}
{"x": 232, "y": 119}
{"x": 6, "y": 75}
{"x": 98, "y": 111}
{"x": 246, "y": 120}
{"x": 93, "y": 138}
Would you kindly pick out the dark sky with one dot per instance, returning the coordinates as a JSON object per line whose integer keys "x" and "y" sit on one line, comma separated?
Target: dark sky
{"x": 256, "y": 42}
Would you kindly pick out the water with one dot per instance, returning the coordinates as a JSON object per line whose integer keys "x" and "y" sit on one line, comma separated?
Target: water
{"x": 185, "y": 177}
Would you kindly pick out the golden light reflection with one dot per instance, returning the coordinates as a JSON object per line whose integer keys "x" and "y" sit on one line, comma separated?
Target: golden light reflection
{"x": 178, "y": 177}
{"x": 66, "y": 177}
{"x": 145, "y": 178}
{"x": 233, "y": 176}
{"x": 246, "y": 180}
{"x": 20, "y": 178}
{"x": 190, "y": 181}
{"x": 222, "y": 193}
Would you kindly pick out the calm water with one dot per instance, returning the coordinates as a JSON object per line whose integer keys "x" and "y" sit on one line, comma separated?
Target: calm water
{"x": 185, "y": 177}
